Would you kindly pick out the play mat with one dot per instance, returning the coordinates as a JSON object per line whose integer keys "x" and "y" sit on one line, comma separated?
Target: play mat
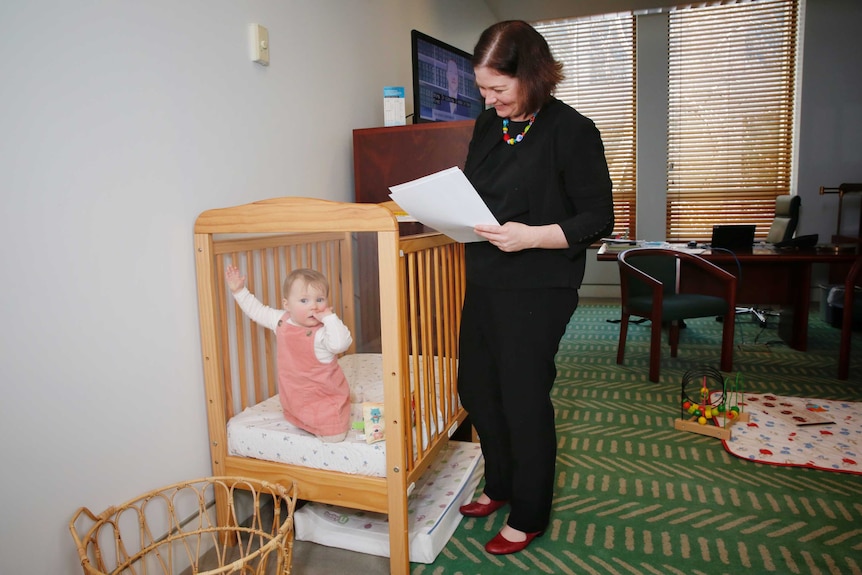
{"x": 801, "y": 432}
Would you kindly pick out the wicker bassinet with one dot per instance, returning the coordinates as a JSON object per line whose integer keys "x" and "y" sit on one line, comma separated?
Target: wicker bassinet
{"x": 172, "y": 530}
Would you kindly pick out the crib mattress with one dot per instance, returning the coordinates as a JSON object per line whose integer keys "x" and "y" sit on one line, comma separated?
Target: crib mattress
{"x": 432, "y": 518}
{"x": 262, "y": 432}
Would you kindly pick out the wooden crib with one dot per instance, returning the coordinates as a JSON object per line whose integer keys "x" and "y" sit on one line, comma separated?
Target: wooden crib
{"x": 413, "y": 287}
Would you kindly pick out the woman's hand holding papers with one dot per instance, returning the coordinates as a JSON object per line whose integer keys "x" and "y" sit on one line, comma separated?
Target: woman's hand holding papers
{"x": 515, "y": 236}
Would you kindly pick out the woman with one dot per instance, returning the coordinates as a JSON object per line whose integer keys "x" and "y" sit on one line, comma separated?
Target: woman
{"x": 540, "y": 167}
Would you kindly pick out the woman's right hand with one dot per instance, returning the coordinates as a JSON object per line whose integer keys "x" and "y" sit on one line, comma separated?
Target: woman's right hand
{"x": 515, "y": 236}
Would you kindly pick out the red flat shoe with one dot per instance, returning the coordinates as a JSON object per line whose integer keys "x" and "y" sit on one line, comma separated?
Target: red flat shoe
{"x": 477, "y": 509}
{"x": 499, "y": 545}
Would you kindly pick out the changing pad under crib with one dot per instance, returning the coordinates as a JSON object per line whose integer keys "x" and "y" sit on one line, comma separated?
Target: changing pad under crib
{"x": 432, "y": 510}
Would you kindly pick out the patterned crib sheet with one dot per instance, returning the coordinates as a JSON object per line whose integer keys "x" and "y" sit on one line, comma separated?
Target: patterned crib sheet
{"x": 262, "y": 432}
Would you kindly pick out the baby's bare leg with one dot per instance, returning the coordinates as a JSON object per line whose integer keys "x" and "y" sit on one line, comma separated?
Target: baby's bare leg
{"x": 332, "y": 438}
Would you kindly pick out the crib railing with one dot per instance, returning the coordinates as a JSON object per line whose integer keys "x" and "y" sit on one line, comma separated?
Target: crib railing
{"x": 433, "y": 270}
{"x": 432, "y": 289}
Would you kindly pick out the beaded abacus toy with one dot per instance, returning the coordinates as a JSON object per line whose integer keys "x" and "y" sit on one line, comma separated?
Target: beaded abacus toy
{"x": 701, "y": 411}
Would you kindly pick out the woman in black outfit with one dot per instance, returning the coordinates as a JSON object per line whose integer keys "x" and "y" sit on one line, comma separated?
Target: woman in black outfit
{"x": 540, "y": 167}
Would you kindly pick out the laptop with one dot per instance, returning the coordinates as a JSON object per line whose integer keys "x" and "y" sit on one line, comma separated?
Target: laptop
{"x": 733, "y": 237}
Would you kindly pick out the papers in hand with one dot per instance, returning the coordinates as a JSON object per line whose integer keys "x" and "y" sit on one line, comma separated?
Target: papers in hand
{"x": 445, "y": 201}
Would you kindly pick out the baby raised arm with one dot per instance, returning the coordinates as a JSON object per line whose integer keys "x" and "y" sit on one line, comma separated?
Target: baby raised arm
{"x": 235, "y": 280}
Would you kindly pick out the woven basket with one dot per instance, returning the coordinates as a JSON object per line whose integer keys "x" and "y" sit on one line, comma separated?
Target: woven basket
{"x": 173, "y": 530}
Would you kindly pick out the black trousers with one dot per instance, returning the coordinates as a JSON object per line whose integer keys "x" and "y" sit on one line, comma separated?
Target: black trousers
{"x": 509, "y": 339}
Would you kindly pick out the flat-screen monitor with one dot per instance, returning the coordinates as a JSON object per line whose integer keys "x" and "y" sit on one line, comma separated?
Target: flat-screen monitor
{"x": 733, "y": 237}
{"x": 444, "y": 87}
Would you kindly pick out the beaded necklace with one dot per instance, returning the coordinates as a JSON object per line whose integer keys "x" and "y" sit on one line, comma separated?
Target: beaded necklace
{"x": 509, "y": 139}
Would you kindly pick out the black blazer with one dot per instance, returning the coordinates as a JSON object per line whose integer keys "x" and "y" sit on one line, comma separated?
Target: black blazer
{"x": 560, "y": 165}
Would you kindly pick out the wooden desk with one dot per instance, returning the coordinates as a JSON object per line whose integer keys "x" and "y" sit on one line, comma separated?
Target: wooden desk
{"x": 767, "y": 277}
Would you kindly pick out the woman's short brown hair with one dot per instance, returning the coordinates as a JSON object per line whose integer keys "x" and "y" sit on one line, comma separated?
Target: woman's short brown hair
{"x": 516, "y": 49}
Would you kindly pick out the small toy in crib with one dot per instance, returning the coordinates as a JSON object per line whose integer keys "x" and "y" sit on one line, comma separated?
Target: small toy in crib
{"x": 375, "y": 426}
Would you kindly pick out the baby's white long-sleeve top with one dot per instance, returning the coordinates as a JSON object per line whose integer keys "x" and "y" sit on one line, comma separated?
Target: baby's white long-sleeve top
{"x": 329, "y": 341}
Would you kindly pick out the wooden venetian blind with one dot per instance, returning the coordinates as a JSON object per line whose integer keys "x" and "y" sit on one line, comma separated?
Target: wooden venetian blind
{"x": 730, "y": 114}
{"x": 598, "y": 55}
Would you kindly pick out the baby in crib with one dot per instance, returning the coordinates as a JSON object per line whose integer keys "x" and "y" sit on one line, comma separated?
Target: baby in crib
{"x": 312, "y": 388}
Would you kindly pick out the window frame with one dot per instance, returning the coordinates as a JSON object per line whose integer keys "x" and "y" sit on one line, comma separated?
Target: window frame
{"x": 605, "y": 92}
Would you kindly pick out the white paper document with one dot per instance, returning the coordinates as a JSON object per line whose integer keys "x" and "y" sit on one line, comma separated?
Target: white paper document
{"x": 445, "y": 201}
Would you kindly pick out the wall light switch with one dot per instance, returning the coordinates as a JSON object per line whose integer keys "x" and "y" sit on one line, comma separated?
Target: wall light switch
{"x": 259, "y": 44}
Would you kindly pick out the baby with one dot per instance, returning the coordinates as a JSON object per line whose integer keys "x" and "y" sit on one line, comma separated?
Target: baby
{"x": 312, "y": 388}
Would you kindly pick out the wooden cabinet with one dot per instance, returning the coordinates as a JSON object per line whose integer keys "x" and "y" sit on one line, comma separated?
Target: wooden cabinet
{"x": 384, "y": 157}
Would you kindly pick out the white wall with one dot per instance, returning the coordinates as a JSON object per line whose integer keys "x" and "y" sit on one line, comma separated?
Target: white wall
{"x": 120, "y": 122}
{"x": 830, "y": 134}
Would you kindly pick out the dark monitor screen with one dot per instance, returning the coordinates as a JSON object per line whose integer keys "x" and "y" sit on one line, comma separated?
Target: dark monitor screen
{"x": 733, "y": 237}
{"x": 444, "y": 87}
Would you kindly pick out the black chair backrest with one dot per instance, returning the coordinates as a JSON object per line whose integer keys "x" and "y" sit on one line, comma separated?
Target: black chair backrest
{"x": 786, "y": 219}
{"x": 664, "y": 268}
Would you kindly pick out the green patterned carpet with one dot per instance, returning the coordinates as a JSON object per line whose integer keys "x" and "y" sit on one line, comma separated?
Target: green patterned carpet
{"x": 635, "y": 496}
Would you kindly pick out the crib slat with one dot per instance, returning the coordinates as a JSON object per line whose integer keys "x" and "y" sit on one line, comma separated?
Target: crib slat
{"x": 248, "y": 389}
{"x": 425, "y": 382}
{"x": 453, "y": 297}
{"x": 267, "y": 294}
{"x": 439, "y": 318}
{"x": 347, "y": 303}
{"x": 221, "y": 290}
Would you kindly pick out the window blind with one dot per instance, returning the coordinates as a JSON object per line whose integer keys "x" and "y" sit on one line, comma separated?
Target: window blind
{"x": 730, "y": 114}
{"x": 598, "y": 56}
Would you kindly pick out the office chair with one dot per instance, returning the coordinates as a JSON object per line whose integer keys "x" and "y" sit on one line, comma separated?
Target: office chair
{"x": 653, "y": 285}
{"x": 847, "y": 319}
{"x": 786, "y": 218}
{"x": 782, "y": 229}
